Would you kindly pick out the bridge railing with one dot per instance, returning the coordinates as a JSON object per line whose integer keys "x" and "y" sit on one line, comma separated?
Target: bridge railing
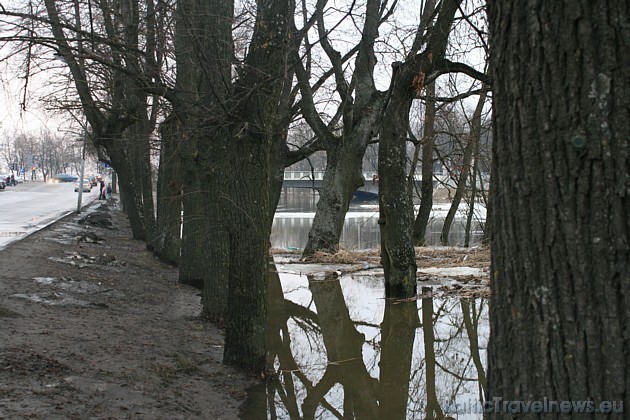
{"x": 319, "y": 175}
{"x": 303, "y": 175}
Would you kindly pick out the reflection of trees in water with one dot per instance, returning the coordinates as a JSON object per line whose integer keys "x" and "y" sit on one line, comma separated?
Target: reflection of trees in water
{"x": 452, "y": 360}
{"x": 320, "y": 358}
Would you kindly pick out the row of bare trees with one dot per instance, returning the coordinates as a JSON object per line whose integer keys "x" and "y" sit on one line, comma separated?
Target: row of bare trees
{"x": 223, "y": 83}
{"x": 215, "y": 87}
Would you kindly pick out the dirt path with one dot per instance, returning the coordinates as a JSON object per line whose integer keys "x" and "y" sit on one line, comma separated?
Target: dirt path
{"x": 93, "y": 326}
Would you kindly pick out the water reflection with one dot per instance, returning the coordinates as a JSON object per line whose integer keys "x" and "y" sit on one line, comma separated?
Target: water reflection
{"x": 342, "y": 351}
{"x": 296, "y": 210}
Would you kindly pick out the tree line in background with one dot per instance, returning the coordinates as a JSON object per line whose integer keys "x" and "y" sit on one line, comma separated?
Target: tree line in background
{"x": 217, "y": 89}
{"x": 44, "y": 153}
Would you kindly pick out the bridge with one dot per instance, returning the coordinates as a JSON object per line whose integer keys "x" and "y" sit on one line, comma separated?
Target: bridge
{"x": 314, "y": 180}
{"x": 307, "y": 179}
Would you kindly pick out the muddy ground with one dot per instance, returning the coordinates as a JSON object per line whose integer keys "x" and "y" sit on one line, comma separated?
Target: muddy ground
{"x": 93, "y": 326}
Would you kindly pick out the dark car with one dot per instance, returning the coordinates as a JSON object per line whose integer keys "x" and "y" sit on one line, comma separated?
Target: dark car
{"x": 56, "y": 179}
{"x": 3, "y": 183}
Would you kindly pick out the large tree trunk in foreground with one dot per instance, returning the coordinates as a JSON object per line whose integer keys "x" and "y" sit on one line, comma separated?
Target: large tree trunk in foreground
{"x": 203, "y": 45}
{"x": 561, "y": 191}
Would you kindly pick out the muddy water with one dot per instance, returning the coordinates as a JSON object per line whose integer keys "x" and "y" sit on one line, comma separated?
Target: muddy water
{"x": 340, "y": 350}
{"x": 296, "y": 210}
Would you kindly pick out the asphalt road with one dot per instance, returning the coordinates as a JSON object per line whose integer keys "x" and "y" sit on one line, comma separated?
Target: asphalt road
{"x": 30, "y": 206}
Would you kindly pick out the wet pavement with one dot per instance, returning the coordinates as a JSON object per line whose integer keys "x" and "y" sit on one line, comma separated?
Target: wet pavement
{"x": 30, "y": 206}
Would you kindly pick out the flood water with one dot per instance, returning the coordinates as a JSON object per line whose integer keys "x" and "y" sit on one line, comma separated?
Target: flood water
{"x": 296, "y": 210}
{"x": 340, "y": 350}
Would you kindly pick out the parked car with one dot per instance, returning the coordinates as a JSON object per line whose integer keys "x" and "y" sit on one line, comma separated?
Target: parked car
{"x": 3, "y": 183}
{"x": 55, "y": 179}
{"x": 87, "y": 186}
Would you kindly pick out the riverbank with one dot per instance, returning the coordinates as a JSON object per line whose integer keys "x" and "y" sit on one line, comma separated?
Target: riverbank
{"x": 93, "y": 326}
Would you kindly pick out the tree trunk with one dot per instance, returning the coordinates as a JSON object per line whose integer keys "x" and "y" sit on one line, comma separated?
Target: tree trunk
{"x": 203, "y": 46}
{"x": 129, "y": 190}
{"x": 473, "y": 197}
{"x": 471, "y": 145}
{"x": 169, "y": 196}
{"x": 247, "y": 211}
{"x": 397, "y": 253}
{"x": 195, "y": 234}
{"x": 342, "y": 178}
{"x": 361, "y": 108}
{"x": 561, "y": 197}
{"x": 249, "y": 170}
{"x": 138, "y": 149}
{"x": 428, "y": 140}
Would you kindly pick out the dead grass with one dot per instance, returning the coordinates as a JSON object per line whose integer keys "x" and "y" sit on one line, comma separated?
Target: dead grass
{"x": 425, "y": 257}
{"x": 452, "y": 257}
{"x": 345, "y": 257}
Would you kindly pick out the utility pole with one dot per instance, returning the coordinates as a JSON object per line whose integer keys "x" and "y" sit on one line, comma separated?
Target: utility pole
{"x": 82, "y": 168}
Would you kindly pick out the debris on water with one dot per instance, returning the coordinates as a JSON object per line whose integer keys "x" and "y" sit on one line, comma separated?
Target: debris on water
{"x": 98, "y": 219}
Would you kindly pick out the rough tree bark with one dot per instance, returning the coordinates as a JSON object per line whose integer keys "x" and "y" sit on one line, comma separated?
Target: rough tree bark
{"x": 203, "y": 47}
{"x": 561, "y": 196}
{"x": 246, "y": 201}
{"x": 169, "y": 194}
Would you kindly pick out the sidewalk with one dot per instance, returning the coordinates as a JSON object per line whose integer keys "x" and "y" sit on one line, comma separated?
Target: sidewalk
{"x": 93, "y": 326}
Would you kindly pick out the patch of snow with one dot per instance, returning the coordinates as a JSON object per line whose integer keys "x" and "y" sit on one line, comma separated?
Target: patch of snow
{"x": 453, "y": 271}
